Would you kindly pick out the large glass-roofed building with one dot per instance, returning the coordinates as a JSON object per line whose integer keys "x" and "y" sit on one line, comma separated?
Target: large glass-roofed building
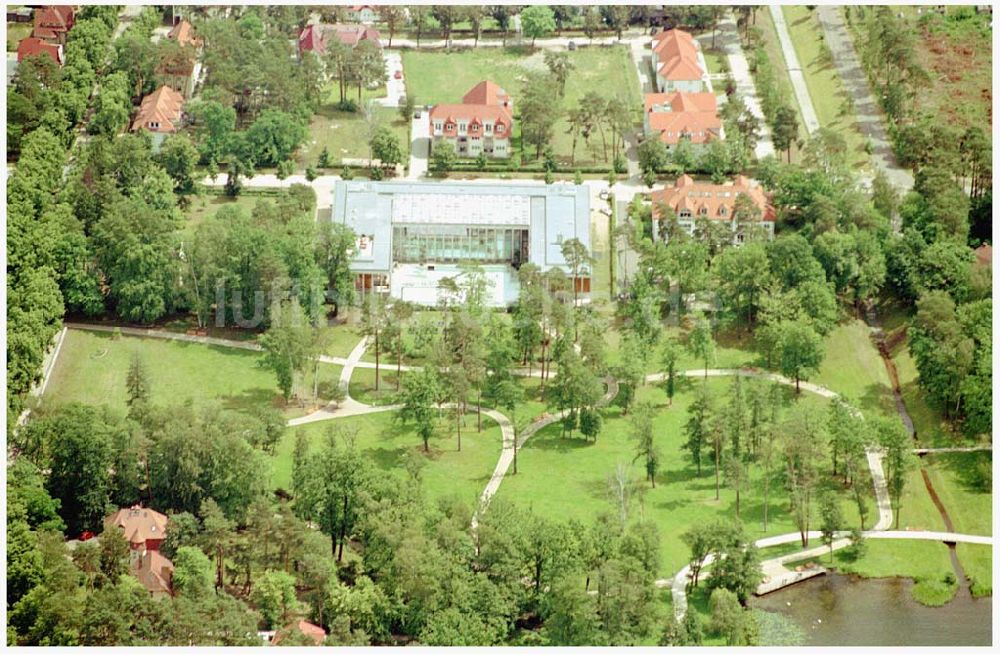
{"x": 411, "y": 235}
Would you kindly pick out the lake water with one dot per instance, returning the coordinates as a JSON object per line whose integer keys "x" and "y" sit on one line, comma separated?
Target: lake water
{"x": 843, "y": 610}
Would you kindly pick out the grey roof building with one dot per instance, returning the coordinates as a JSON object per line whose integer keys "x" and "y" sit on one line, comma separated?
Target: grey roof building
{"x": 411, "y": 235}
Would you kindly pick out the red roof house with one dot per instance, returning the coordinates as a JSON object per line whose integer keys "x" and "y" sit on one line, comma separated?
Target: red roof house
{"x": 489, "y": 93}
{"x": 33, "y": 46}
{"x": 314, "y": 632}
{"x": 482, "y": 123}
{"x": 155, "y": 572}
{"x": 984, "y": 254}
{"x": 144, "y": 528}
{"x": 676, "y": 115}
{"x": 52, "y": 22}
{"x": 183, "y": 33}
{"x": 675, "y": 58}
{"x": 316, "y": 37}
{"x": 691, "y": 200}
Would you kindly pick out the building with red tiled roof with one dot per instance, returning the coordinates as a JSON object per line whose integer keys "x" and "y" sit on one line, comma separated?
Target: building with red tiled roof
{"x": 183, "y": 33}
{"x": 673, "y": 116}
{"x": 155, "y": 572}
{"x": 312, "y": 632}
{"x": 488, "y": 92}
{"x": 483, "y": 123}
{"x": 160, "y": 112}
{"x": 984, "y": 255}
{"x": 675, "y": 60}
{"x": 691, "y": 201}
{"x": 142, "y": 527}
{"x": 316, "y": 37}
{"x": 145, "y": 530}
{"x": 53, "y": 22}
{"x": 32, "y": 47}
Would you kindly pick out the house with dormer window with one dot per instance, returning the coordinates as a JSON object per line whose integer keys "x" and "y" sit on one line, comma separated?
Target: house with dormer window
{"x": 692, "y": 201}
{"x": 481, "y": 124}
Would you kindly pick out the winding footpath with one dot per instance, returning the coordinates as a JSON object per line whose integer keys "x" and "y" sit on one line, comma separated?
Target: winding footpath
{"x": 776, "y": 574}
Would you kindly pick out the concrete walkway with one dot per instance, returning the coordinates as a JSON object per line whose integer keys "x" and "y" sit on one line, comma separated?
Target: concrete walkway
{"x": 794, "y": 70}
{"x": 729, "y": 40}
{"x": 869, "y": 116}
{"x": 48, "y": 364}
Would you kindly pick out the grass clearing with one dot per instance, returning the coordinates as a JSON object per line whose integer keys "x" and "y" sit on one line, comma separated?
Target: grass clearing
{"x": 926, "y": 562}
{"x": 446, "y": 473}
{"x": 205, "y": 206}
{"x": 16, "y": 32}
{"x": 852, "y": 367}
{"x": 681, "y": 497}
{"x": 826, "y": 89}
{"x": 92, "y": 367}
{"x": 345, "y": 134}
{"x": 435, "y": 77}
{"x": 977, "y": 562}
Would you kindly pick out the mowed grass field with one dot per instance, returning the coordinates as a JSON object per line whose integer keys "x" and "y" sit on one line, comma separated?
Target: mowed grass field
{"x": 446, "y": 471}
{"x": 345, "y": 134}
{"x": 445, "y": 76}
{"x": 565, "y": 478}
{"x": 92, "y": 368}
{"x": 826, "y": 90}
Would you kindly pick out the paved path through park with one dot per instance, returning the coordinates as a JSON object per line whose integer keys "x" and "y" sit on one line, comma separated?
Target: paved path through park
{"x": 728, "y": 38}
{"x": 794, "y": 70}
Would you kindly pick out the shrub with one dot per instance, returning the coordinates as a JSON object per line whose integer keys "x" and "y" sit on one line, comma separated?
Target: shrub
{"x": 347, "y": 105}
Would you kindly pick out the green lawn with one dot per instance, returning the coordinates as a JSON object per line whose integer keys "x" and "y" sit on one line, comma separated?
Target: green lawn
{"x": 825, "y": 86}
{"x": 92, "y": 367}
{"x": 717, "y": 64}
{"x": 681, "y": 498}
{"x": 208, "y": 205}
{"x": 435, "y": 77}
{"x": 977, "y": 562}
{"x": 852, "y": 367}
{"x": 732, "y": 350}
{"x": 344, "y": 134}
{"x": 447, "y": 473}
{"x": 15, "y": 33}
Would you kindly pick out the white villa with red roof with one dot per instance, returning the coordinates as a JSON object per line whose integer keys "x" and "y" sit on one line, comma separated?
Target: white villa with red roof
{"x": 482, "y": 123}
{"x": 675, "y": 60}
{"x": 691, "y": 201}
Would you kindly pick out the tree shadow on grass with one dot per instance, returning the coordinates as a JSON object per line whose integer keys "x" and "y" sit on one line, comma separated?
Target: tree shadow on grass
{"x": 973, "y": 469}
{"x": 252, "y": 398}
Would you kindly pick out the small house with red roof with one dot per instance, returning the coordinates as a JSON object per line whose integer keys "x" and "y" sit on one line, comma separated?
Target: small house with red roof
{"x": 53, "y": 23}
{"x": 143, "y": 528}
{"x": 316, "y": 37}
{"x": 675, "y": 116}
{"x": 692, "y": 201}
{"x": 183, "y": 33}
{"x": 300, "y": 632}
{"x": 33, "y": 47}
{"x": 676, "y": 63}
{"x": 145, "y": 531}
{"x": 482, "y": 123}
{"x": 160, "y": 113}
